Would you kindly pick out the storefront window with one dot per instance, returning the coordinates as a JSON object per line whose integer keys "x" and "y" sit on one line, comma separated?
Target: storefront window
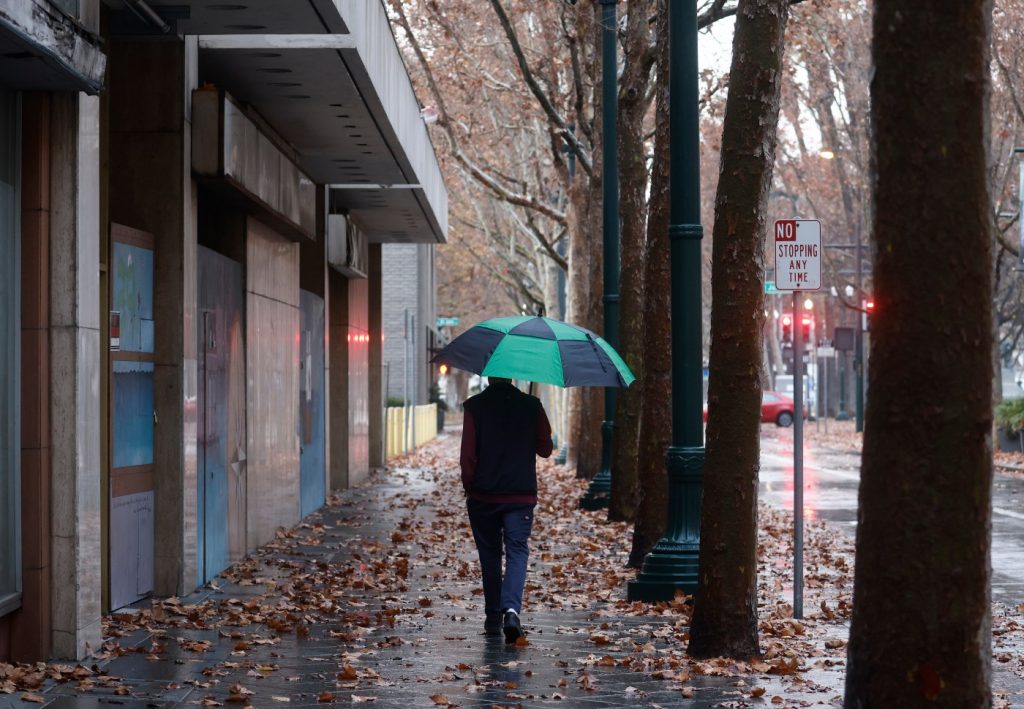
{"x": 10, "y": 365}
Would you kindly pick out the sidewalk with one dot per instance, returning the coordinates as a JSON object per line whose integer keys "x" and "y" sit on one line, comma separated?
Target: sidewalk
{"x": 375, "y": 599}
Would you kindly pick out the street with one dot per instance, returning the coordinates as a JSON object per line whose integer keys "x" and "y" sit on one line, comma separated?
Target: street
{"x": 830, "y": 494}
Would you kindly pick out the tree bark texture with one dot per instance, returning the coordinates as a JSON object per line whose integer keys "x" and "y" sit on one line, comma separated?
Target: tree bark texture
{"x": 920, "y": 632}
{"x": 655, "y": 428}
{"x": 725, "y": 609}
{"x": 633, "y": 102}
{"x": 589, "y": 277}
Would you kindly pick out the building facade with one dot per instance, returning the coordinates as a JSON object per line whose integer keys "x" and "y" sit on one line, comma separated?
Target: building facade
{"x": 410, "y": 315}
{"x": 195, "y": 197}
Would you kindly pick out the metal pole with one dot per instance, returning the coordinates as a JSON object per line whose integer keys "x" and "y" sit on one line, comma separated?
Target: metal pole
{"x": 415, "y": 379}
{"x": 798, "y": 465}
{"x": 405, "y": 385}
{"x": 673, "y": 563}
{"x": 824, "y": 393}
{"x": 858, "y": 363}
{"x": 599, "y": 491}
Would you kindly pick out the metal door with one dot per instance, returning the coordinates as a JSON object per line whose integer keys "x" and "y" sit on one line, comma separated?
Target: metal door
{"x": 221, "y": 415}
{"x": 311, "y": 403}
{"x": 131, "y": 415}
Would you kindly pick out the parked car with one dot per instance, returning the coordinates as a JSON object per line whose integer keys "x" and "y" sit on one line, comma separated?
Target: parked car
{"x": 775, "y": 408}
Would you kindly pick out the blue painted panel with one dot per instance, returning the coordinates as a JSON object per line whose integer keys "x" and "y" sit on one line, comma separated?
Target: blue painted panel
{"x": 221, "y": 409}
{"x": 133, "y": 296}
{"x": 311, "y": 403}
{"x": 133, "y": 413}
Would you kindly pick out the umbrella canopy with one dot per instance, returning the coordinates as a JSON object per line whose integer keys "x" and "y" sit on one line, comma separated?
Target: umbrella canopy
{"x": 537, "y": 349}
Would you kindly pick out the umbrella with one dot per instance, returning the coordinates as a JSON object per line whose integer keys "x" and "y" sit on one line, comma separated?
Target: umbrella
{"x": 537, "y": 349}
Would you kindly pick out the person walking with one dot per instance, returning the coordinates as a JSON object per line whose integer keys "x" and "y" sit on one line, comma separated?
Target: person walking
{"x": 503, "y": 431}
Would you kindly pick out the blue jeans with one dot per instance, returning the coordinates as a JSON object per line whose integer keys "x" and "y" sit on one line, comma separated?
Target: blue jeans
{"x": 494, "y": 524}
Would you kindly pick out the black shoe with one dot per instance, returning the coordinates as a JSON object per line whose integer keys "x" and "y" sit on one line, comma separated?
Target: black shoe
{"x": 513, "y": 629}
{"x": 492, "y": 625}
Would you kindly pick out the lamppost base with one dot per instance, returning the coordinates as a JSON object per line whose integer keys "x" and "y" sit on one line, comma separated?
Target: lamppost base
{"x": 599, "y": 493}
{"x": 562, "y": 455}
{"x": 669, "y": 567}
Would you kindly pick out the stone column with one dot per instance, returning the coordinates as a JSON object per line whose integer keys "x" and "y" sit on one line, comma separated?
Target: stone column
{"x": 337, "y": 392}
{"x": 151, "y": 188}
{"x": 75, "y": 374}
{"x": 376, "y": 355}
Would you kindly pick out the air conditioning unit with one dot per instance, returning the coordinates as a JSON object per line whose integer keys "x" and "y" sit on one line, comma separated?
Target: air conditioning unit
{"x": 346, "y": 247}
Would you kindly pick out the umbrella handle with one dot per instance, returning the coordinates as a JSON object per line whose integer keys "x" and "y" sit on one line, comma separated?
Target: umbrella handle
{"x": 531, "y": 388}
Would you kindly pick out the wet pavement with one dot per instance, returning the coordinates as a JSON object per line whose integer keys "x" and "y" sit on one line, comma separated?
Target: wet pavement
{"x": 831, "y": 481}
{"x": 418, "y": 642}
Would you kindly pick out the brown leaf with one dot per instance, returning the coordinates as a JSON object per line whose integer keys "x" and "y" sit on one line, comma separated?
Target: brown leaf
{"x": 348, "y": 673}
{"x": 440, "y": 700}
{"x": 325, "y": 698}
{"x": 784, "y": 666}
{"x": 34, "y": 698}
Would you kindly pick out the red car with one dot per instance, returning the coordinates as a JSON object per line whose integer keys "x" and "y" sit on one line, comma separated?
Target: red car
{"x": 775, "y": 408}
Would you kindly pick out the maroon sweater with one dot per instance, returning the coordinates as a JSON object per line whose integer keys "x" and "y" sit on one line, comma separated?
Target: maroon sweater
{"x": 468, "y": 459}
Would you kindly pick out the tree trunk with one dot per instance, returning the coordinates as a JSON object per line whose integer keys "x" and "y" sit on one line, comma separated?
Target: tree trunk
{"x": 725, "y": 610}
{"x": 633, "y": 104}
{"x": 920, "y": 632}
{"x": 655, "y": 434}
{"x": 588, "y": 240}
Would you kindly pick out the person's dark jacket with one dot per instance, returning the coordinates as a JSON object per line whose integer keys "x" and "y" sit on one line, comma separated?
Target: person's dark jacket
{"x": 502, "y": 432}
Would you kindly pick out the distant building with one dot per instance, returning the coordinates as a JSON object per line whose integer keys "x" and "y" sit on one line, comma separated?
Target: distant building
{"x": 409, "y": 300}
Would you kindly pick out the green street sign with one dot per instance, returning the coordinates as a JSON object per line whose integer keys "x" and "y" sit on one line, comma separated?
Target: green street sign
{"x": 770, "y": 289}
{"x": 447, "y": 322}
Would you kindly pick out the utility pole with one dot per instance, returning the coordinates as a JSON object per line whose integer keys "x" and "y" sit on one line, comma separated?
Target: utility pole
{"x": 673, "y": 563}
{"x": 599, "y": 492}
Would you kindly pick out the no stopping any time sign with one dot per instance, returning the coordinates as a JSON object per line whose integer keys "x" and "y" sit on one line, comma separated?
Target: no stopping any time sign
{"x": 798, "y": 254}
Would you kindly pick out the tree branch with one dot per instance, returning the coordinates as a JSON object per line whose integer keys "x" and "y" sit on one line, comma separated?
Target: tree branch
{"x": 538, "y": 92}
{"x": 522, "y": 200}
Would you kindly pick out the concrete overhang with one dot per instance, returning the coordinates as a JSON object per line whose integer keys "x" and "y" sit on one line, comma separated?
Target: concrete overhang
{"x": 330, "y": 81}
{"x": 42, "y": 49}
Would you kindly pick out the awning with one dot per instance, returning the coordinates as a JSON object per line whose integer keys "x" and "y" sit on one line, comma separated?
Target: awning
{"x": 42, "y": 49}
{"x": 328, "y": 78}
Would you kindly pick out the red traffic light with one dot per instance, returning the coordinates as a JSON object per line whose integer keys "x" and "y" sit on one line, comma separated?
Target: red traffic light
{"x": 787, "y": 320}
{"x": 869, "y": 305}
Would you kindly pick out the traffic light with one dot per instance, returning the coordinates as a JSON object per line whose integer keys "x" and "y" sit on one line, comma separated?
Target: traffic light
{"x": 806, "y": 322}
{"x": 787, "y": 329}
{"x": 443, "y": 369}
{"x": 869, "y": 310}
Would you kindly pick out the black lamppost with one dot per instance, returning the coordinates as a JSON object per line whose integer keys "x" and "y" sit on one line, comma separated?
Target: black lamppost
{"x": 599, "y": 491}
{"x": 673, "y": 563}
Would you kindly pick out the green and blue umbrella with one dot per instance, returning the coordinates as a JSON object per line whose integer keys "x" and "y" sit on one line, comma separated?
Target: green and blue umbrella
{"x": 537, "y": 349}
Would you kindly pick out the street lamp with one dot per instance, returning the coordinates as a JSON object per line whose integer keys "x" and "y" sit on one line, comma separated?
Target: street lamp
{"x": 599, "y": 491}
{"x": 673, "y": 563}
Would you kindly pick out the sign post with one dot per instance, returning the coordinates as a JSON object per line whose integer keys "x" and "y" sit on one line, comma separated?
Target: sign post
{"x": 798, "y": 268}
